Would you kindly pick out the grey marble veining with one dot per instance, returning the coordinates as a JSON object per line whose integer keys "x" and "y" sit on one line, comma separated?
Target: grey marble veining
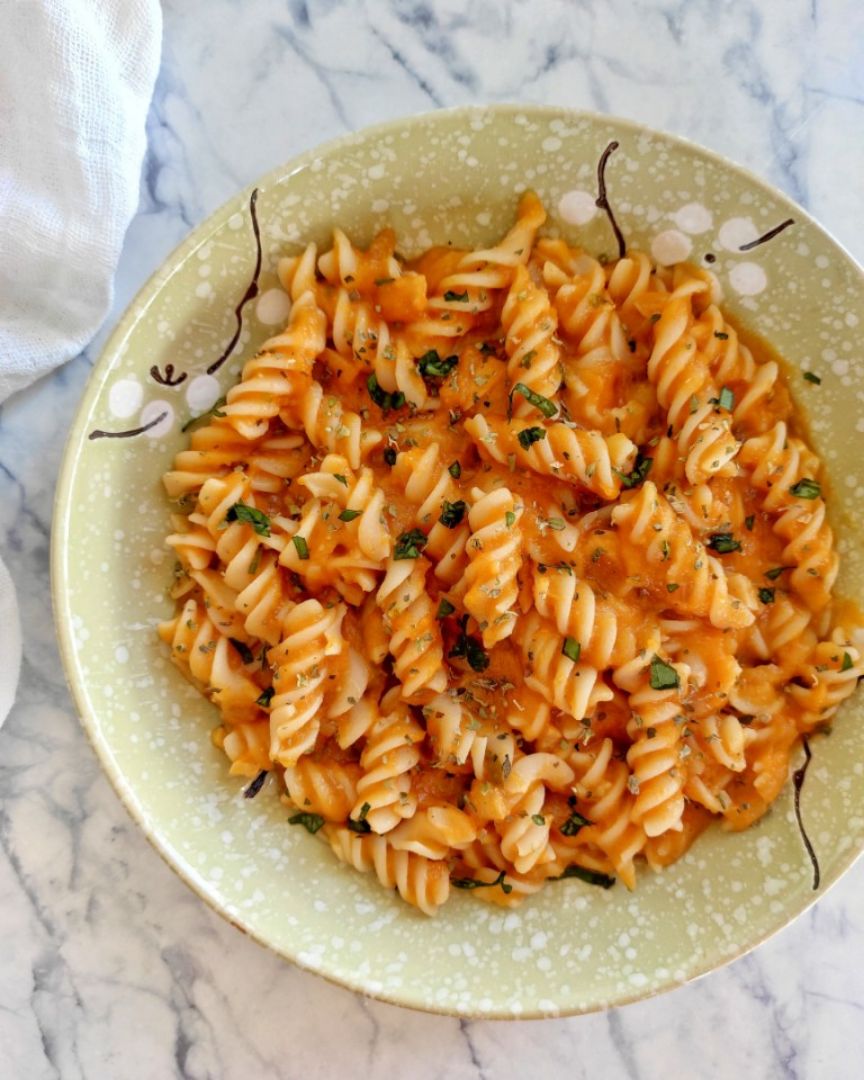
{"x": 111, "y": 967}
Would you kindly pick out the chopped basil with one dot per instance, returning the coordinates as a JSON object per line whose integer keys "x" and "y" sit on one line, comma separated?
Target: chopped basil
{"x": 214, "y": 410}
{"x": 469, "y": 648}
{"x": 592, "y": 877}
{"x": 360, "y": 825}
{"x": 510, "y": 519}
{"x": 445, "y": 608}
{"x": 806, "y": 489}
{"x": 410, "y": 544}
{"x": 641, "y": 468}
{"x": 457, "y": 298}
{"x": 808, "y": 375}
{"x": 723, "y": 543}
{"x": 249, "y": 516}
{"x": 381, "y": 397}
{"x": 538, "y": 820}
{"x": 776, "y": 571}
{"x": 655, "y": 317}
{"x": 246, "y": 654}
{"x": 547, "y": 407}
{"x": 342, "y": 479}
{"x": 390, "y": 456}
{"x": 766, "y": 595}
{"x": 301, "y": 546}
{"x": 571, "y": 649}
{"x": 556, "y": 524}
{"x": 847, "y": 662}
{"x": 384, "y": 281}
{"x": 672, "y": 586}
{"x": 349, "y": 515}
{"x": 663, "y": 676}
{"x": 311, "y": 822}
{"x": 455, "y": 470}
{"x": 256, "y": 785}
{"x": 476, "y": 883}
{"x": 430, "y": 365}
{"x": 720, "y": 334}
{"x": 452, "y": 513}
{"x": 528, "y": 436}
{"x": 749, "y": 522}
{"x": 573, "y": 824}
{"x": 726, "y": 399}
{"x": 265, "y": 697}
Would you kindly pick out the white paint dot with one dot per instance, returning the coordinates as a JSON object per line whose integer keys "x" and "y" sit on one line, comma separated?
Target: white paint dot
{"x": 235, "y": 222}
{"x": 121, "y": 654}
{"x": 577, "y": 207}
{"x": 693, "y": 218}
{"x": 736, "y": 232}
{"x": 748, "y": 278}
{"x": 124, "y": 397}
{"x": 203, "y": 290}
{"x": 551, "y": 143}
{"x": 380, "y": 206}
{"x": 376, "y": 172}
{"x": 273, "y": 307}
{"x": 149, "y": 413}
{"x": 202, "y": 392}
{"x": 671, "y": 246}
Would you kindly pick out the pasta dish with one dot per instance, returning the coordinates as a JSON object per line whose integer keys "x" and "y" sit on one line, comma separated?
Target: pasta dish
{"x": 507, "y": 565}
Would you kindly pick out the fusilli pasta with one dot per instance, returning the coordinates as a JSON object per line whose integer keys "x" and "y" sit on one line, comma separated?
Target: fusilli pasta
{"x": 510, "y": 564}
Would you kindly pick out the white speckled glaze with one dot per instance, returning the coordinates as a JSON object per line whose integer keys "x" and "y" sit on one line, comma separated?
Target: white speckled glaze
{"x": 446, "y": 176}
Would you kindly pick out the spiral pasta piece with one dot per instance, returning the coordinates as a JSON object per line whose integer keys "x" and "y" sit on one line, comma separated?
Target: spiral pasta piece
{"x": 331, "y": 427}
{"x": 384, "y": 795}
{"x": 574, "y": 688}
{"x": 525, "y": 833}
{"x": 654, "y": 760}
{"x": 686, "y": 389}
{"x": 577, "y": 612}
{"x": 328, "y": 788}
{"x": 274, "y": 380}
{"x": 605, "y": 800}
{"x": 786, "y": 469}
{"x": 458, "y": 737}
{"x": 247, "y": 747}
{"x": 415, "y": 635}
{"x": 529, "y": 323}
{"x": 207, "y": 658}
{"x": 434, "y": 832}
{"x": 425, "y": 883}
{"x": 429, "y": 486}
{"x": 488, "y": 586}
{"x": 827, "y": 678}
{"x": 311, "y": 637}
{"x": 587, "y": 458}
{"x": 656, "y": 535}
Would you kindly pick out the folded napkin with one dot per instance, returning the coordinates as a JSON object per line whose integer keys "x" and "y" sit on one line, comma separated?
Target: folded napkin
{"x": 75, "y": 85}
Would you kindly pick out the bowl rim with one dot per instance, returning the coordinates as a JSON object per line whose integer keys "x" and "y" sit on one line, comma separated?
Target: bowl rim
{"x": 62, "y": 510}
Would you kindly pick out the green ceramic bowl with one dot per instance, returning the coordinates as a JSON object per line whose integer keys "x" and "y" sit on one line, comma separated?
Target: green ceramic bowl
{"x": 452, "y": 176}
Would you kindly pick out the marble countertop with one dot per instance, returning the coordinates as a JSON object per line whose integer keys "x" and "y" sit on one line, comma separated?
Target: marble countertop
{"x": 111, "y": 967}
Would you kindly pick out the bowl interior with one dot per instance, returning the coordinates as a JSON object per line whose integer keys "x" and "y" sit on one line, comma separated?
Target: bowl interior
{"x": 448, "y": 177}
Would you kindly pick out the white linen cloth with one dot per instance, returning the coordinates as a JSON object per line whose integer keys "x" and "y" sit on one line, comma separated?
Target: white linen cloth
{"x": 75, "y": 84}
